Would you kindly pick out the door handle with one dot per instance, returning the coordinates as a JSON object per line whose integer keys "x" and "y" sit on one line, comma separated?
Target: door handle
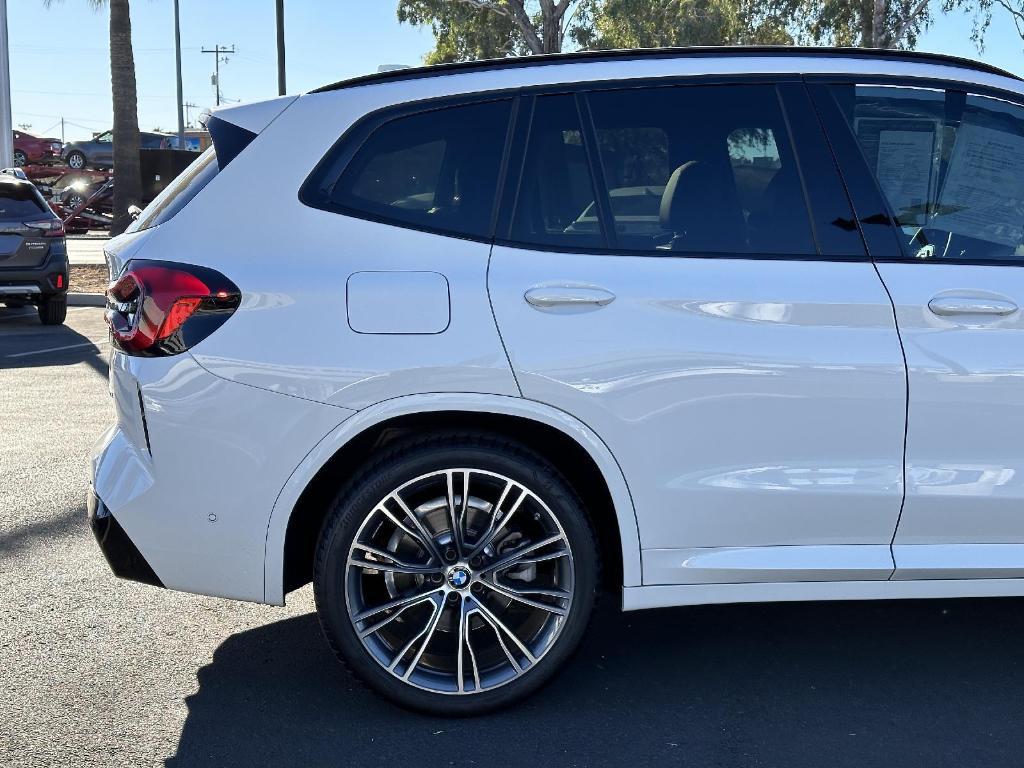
{"x": 964, "y": 305}
{"x": 551, "y": 297}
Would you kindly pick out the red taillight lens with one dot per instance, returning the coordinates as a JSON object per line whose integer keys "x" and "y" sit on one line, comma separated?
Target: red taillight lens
{"x": 163, "y": 308}
{"x": 48, "y": 227}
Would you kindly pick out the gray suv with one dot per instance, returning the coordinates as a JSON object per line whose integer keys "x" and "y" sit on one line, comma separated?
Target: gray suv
{"x": 33, "y": 252}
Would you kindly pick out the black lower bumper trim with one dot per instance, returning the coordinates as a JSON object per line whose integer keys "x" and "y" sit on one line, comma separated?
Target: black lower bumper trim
{"x": 123, "y": 556}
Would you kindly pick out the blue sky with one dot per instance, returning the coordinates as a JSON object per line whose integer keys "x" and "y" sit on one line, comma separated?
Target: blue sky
{"x": 60, "y": 66}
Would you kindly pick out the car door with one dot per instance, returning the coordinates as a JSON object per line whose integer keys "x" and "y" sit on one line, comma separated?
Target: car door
{"x": 101, "y": 149}
{"x": 947, "y": 165}
{"x": 659, "y": 277}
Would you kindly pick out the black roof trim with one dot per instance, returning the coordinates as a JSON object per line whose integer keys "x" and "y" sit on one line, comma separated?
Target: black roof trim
{"x": 415, "y": 73}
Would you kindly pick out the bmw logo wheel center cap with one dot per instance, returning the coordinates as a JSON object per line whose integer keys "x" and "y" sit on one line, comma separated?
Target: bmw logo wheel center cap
{"x": 458, "y": 577}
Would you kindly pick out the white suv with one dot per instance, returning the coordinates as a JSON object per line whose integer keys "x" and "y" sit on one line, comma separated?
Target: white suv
{"x": 737, "y": 325}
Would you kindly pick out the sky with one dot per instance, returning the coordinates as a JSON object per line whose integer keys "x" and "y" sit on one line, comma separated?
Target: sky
{"x": 60, "y": 65}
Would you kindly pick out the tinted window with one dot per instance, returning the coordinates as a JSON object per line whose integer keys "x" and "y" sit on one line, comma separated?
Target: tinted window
{"x": 556, "y": 195}
{"x": 950, "y": 166}
{"x": 701, "y": 169}
{"x": 436, "y": 169}
{"x": 20, "y": 202}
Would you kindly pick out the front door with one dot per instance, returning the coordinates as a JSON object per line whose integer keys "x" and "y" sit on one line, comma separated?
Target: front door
{"x": 738, "y": 356}
{"x": 950, "y": 166}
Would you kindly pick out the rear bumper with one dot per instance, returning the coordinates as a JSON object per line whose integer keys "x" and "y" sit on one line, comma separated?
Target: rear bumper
{"x": 33, "y": 282}
{"x": 122, "y": 555}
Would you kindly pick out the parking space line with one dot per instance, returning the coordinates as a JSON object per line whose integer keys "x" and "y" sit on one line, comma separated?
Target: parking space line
{"x": 59, "y": 349}
{"x": 33, "y": 313}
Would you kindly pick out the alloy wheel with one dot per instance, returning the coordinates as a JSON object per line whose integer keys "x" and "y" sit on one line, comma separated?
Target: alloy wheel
{"x": 459, "y": 581}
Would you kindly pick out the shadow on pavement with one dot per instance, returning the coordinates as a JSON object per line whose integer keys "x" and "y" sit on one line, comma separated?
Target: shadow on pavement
{"x": 928, "y": 683}
{"x": 43, "y": 530}
{"x": 26, "y": 343}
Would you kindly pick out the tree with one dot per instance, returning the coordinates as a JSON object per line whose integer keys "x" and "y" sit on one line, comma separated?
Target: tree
{"x": 659, "y": 23}
{"x": 470, "y": 29}
{"x": 127, "y": 173}
{"x": 869, "y": 23}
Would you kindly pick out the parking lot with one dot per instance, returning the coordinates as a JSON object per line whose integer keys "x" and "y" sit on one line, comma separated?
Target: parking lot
{"x": 99, "y": 672}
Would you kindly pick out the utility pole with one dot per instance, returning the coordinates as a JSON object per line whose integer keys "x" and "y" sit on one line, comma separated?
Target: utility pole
{"x": 177, "y": 62}
{"x": 217, "y": 50}
{"x": 281, "y": 88}
{"x": 188, "y": 115}
{"x": 6, "y": 131}
{"x": 62, "y": 130}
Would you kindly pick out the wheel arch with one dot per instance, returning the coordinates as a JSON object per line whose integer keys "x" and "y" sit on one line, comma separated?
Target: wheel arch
{"x": 574, "y": 447}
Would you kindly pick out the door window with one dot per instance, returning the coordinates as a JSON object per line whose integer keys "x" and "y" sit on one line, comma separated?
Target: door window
{"x": 949, "y": 165}
{"x": 556, "y": 203}
{"x": 701, "y": 169}
{"x": 437, "y": 170}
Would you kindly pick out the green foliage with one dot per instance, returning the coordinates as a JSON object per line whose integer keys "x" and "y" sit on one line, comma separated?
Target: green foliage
{"x": 463, "y": 32}
{"x": 657, "y": 23}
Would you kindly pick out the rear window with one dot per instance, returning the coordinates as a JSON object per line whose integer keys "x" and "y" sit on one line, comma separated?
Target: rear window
{"x": 435, "y": 170}
{"x": 179, "y": 192}
{"x": 19, "y": 202}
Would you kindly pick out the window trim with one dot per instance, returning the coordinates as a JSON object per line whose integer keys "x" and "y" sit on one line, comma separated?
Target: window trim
{"x": 855, "y": 169}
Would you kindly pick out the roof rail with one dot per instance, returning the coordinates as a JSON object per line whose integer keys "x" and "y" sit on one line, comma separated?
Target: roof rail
{"x": 415, "y": 73}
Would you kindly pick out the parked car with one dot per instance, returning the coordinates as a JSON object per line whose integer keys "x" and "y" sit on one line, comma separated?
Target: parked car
{"x": 33, "y": 149}
{"x": 33, "y": 253}
{"x": 456, "y": 396}
{"x": 99, "y": 152}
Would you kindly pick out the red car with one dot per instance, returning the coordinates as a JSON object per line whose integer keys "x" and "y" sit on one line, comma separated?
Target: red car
{"x": 32, "y": 149}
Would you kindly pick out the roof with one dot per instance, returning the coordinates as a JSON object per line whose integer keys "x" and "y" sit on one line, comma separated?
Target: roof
{"x": 414, "y": 73}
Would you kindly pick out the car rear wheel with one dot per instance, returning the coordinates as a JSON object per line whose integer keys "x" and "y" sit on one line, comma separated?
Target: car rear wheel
{"x": 76, "y": 160}
{"x": 456, "y": 573}
{"x": 20, "y": 158}
{"x": 53, "y": 310}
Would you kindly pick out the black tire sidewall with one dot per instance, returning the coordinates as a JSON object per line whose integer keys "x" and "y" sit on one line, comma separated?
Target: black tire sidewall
{"x": 400, "y": 466}
{"x": 53, "y": 310}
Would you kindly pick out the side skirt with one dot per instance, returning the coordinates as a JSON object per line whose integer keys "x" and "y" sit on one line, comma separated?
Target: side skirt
{"x": 665, "y": 596}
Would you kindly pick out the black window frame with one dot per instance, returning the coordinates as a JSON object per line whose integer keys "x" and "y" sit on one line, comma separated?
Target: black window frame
{"x": 316, "y": 190}
{"x": 881, "y": 231}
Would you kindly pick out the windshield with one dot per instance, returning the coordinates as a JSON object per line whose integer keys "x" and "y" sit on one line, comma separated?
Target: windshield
{"x": 20, "y": 202}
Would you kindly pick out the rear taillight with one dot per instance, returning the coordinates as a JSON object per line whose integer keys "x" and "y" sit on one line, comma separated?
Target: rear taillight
{"x": 163, "y": 308}
{"x": 47, "y": 227}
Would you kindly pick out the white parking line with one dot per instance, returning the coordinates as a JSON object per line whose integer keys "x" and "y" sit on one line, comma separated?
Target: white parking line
{"x": 59, "y": 349}
{"x": 32, "y": 313}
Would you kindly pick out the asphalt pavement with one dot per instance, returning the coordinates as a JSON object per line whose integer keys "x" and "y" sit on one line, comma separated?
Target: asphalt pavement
{"x": 100, "y": 672}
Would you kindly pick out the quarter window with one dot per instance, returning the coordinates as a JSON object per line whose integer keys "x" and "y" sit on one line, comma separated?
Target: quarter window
{"x": 438, "y": 169}
{"x": 949, "y": 165}
{"x": 701, "y": 169}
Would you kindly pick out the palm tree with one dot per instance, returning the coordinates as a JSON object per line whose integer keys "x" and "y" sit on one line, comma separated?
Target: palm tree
{"x": 127, "y": 173}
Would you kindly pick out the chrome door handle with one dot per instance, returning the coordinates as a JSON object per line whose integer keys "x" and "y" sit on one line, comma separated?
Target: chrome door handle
{"x": 963, "y": 305}
{"x": 549, "y": 297}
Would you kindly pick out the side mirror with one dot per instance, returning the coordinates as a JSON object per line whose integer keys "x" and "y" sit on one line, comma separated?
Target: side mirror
{"x": 134, "y": 211}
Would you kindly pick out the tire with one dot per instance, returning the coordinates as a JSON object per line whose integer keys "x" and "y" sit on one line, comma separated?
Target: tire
{"x": 20, "y": 158}
{"x": 53, "y": 309}
{"x": 76, "y": 160}
{"x": 471, "y": 595}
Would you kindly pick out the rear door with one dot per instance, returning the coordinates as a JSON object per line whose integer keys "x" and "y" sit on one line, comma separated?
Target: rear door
{"x": 660, "y": 278}
{"x": 947, "y": 166}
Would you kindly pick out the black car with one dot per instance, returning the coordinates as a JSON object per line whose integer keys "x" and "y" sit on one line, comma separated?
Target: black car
{"x": 33, "y": 252}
